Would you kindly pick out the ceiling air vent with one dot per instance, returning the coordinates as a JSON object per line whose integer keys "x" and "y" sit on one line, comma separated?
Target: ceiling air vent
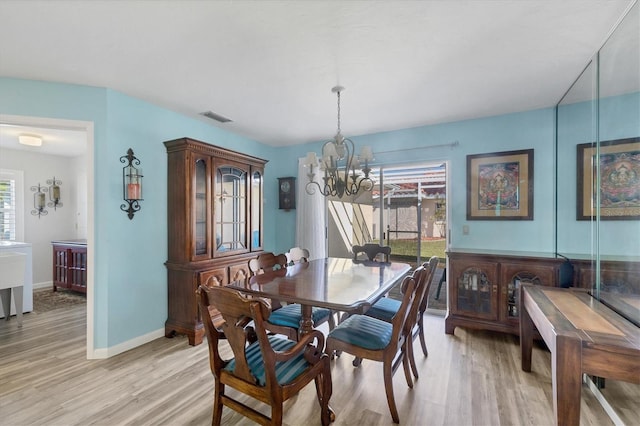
{"x": 212, "y": 115}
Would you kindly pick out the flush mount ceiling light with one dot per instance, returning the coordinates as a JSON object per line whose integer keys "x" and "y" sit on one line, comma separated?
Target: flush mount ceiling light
{"x": 30, "y": 140}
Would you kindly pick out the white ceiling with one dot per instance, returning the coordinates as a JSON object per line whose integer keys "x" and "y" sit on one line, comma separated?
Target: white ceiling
{"x": 270, "y": 65}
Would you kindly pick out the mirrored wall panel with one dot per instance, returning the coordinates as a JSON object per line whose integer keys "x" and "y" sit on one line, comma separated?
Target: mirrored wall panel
{"x": 598, "y": 187}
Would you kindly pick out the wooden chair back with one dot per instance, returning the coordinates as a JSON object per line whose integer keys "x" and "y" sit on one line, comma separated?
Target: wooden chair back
{"x": 430, "y": 266}
{"x": 409, "y": 288}
{"x": 237, "y": 311}
{"x": 297, "y": 255}
{"x": 267, "y": 261}
{"x": 420, "y": 277}
{"x": 372, "y": 251}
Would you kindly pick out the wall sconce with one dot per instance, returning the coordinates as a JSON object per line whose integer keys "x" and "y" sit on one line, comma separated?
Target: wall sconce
{"x": 131, "y": 184}
{"x": 54, "y": 193}
{"x": 39, "y": 201}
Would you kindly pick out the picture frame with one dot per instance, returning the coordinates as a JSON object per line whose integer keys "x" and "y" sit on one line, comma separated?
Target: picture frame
{"x": 619, "y": 177}
{"x": 500, "y": 186}
{"x": 287, "y": 193}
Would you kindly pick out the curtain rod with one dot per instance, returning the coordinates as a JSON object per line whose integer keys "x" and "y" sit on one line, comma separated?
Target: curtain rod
{"x": 450, "y": 144}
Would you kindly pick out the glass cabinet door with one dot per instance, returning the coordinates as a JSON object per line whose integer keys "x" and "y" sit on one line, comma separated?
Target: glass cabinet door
{"x": 201, "y": 217}
{"x": 256, "y": 209}
{"x": 231, "y": 222}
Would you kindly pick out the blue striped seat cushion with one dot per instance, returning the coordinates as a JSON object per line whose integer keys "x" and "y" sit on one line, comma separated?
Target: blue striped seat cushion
{"x": 363, "y": 331}
{"x": 290, "y": 315}
{"x": 384, "y": 309}
{"x": 286, "y": 371}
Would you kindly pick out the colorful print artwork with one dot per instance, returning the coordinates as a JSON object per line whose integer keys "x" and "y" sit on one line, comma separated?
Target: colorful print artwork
{"x": 498, "y": 186}
{"x": 619, "y": 183}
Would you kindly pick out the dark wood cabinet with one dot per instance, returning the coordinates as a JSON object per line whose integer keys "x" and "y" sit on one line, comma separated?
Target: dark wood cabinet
{"x": 215, "y": 214}
{"x": 484, "y": 288}
{"x": 70, "y": 265}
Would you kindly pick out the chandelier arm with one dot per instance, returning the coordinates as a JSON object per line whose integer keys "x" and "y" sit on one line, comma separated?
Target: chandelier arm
{"x": 310, "y": 189}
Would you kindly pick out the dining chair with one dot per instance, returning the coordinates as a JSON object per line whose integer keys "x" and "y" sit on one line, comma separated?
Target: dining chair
{"x": 366, "y": 337}
{"x": 371, "y": 250}
{"x": 268, "y": 368}
{"x": 267, "y": 261}
{"x": 297, "y": 255}
{"x": 385, "y": 309}
{"x": 285, "y": 319}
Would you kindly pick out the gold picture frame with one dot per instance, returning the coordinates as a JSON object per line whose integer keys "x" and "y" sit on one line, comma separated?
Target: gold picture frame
{"x": 619, "y": 180}
{"x": 500, "y": 186}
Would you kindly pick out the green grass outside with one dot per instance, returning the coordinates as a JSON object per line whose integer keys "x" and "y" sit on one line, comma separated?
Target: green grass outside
{"x": 428, "y": 248}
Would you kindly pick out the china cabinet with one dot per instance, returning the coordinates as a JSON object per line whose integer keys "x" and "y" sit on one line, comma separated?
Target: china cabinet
{"x": 484, "y": 287}
{"x": 215, "y": 214}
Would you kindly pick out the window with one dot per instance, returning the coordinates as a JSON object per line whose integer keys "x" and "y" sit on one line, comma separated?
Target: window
{"x": 11, "y": 205}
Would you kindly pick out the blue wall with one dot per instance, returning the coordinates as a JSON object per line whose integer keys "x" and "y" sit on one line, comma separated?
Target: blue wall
{"x": 130, "y": 277}
{"x": 532, "y": 129}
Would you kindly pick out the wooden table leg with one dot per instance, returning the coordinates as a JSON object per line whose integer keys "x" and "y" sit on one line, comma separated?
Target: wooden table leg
{"x": 526, "y": 336}
{"x": 566, "y": 372}
{"x": 306, "y": 321}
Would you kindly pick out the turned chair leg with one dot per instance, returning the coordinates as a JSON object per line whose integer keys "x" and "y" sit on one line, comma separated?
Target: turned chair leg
{"x": 388, "y": 387}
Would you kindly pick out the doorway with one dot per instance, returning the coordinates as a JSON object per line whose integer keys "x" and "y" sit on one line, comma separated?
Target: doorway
{"x": 85, "y": 195}
{"x": 406, "y": 210}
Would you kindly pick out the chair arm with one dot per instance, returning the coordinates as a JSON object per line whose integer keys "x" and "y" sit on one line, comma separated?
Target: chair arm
{"x": 312, "y": 352}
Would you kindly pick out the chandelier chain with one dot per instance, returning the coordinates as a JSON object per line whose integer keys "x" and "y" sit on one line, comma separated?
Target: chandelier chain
{"x": 338, "y": 111}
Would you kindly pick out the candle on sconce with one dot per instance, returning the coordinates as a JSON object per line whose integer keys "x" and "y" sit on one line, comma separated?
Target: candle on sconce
{"x": 56, "y": 193}
{"x": 133, "y": 191}
{"x": 40, "y": 200}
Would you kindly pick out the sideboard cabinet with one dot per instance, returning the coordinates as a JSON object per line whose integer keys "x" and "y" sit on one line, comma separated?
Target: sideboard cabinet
{"x": 70, "y": 265}
{"x": 215, "y": 215}
{"x": 484, "y": 288}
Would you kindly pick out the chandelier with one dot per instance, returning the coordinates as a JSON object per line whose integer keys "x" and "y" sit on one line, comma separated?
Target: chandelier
{"x": 343, "y": 171}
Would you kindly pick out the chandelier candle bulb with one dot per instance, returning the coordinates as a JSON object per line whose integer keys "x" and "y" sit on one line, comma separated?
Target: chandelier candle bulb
{"x": 366, "y": 154}
{"x": 311, "y": 159}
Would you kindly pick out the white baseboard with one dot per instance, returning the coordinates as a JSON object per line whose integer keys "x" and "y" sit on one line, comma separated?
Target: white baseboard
{"x": 125, "y": 346}
{"x": 44, "y": 284}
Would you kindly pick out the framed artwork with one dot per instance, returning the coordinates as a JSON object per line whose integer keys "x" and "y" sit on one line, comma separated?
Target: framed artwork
{"x": 619, "y": 180}
{"x": 500, "y": 186}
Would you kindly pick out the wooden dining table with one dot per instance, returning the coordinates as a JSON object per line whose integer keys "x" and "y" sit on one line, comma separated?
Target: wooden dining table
{"x": 339, "y": 284}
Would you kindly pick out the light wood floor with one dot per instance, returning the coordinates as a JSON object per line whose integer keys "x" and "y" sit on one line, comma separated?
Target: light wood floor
{"x": 472, "y": 378}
